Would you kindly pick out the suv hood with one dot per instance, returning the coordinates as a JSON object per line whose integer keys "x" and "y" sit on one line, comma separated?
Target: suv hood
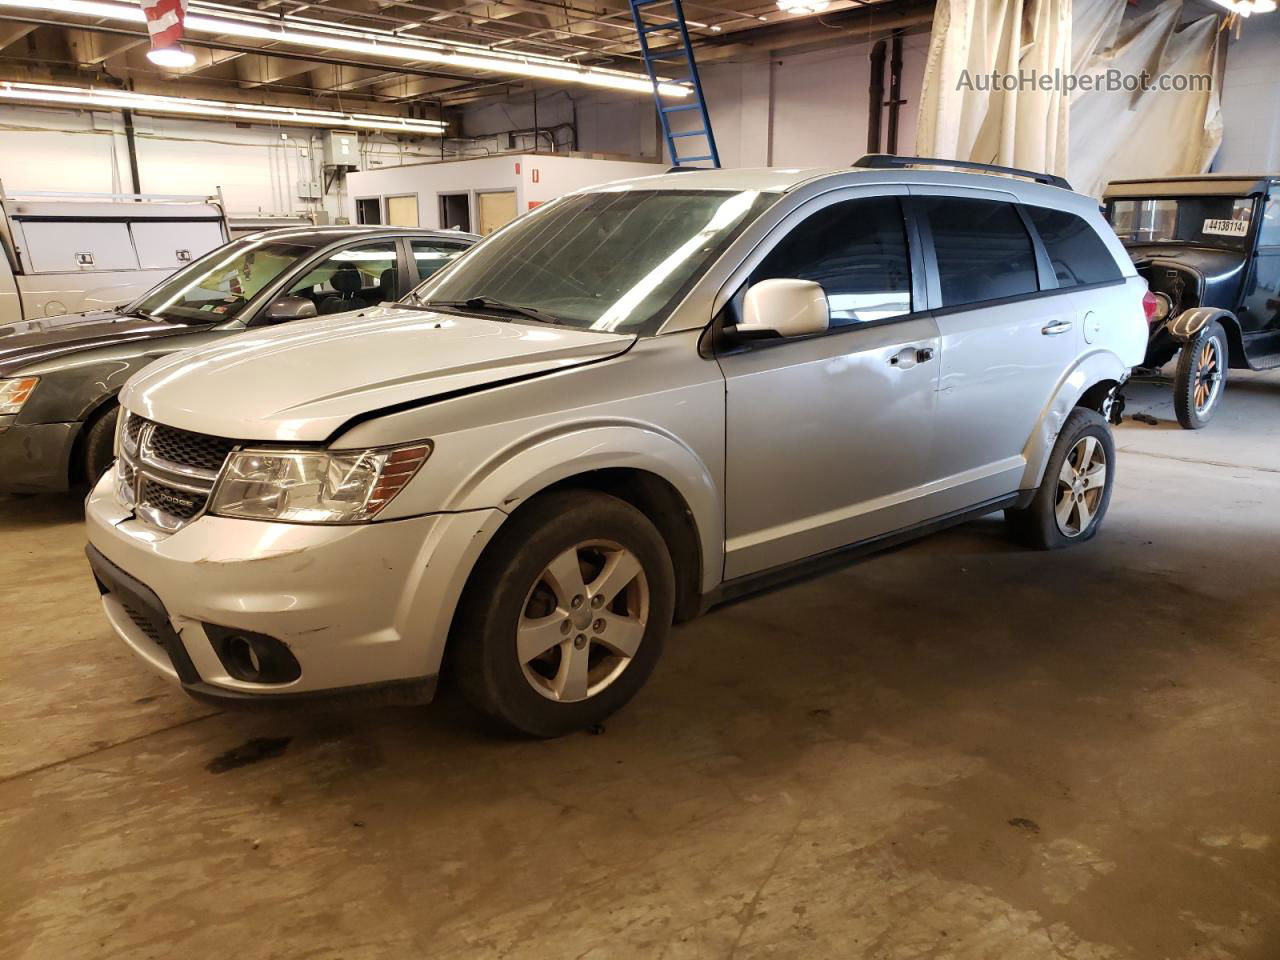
{"x": 303, "y": 380}
{"x": 29, "y": 342}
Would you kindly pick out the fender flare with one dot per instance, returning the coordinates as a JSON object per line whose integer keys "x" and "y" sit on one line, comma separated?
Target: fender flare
{"x": 1187, "y": 325}
{"x": 1093, "y": 368}
{"x": 514, "y": 475}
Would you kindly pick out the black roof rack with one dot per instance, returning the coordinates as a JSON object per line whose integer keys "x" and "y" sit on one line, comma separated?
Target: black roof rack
{"x": 683, "y": 169}
{"x": 888, "y": 161}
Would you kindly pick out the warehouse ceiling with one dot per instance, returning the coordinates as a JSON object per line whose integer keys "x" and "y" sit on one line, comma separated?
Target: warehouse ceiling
{"x": 62, "y": 41}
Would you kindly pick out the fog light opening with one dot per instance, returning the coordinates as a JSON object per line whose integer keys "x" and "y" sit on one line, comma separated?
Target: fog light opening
{"x": 253, "y": 657}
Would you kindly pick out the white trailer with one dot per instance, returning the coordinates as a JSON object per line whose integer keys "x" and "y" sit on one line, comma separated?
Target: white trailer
{"x": 64, "y": 253}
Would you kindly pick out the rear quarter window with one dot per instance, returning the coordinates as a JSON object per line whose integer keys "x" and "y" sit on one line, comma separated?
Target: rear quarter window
{"x": 1078, "y": 254}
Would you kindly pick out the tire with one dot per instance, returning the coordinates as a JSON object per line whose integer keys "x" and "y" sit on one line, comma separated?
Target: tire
{"x": 99, "y": 445}
{"x": 1084, "y": 503}
{"x": 521, "y": 598}
{"x": 1201, "y": 378}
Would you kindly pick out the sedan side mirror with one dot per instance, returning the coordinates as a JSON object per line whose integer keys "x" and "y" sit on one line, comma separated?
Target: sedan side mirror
{"x": 783, "y": 308}
{"x": 289, "y": 308}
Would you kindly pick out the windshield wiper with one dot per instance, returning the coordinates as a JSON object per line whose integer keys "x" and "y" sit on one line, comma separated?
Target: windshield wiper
{"x": 493, "y": 305}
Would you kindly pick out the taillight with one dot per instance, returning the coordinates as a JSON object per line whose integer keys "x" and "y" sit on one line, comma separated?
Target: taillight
{"x": 1150, "y": 306}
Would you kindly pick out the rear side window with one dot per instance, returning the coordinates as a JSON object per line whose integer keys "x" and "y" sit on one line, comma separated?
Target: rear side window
{"x": 857, "y": 251}
{"x": 1078, "y": 254}
{"x": 984, "y": 252}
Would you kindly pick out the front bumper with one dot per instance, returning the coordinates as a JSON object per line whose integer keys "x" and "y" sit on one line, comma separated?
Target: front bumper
{"x": 35, "y": 457}
{"x": 363, "y": 608}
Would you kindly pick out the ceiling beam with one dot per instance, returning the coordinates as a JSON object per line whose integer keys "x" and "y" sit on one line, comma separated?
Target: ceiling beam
{"x": 11, "y": 33}
{"x": 92, "y": 48}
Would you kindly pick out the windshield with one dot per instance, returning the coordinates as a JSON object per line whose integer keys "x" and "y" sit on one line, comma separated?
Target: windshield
{"x": 613, "y": 259}
{"x": 1210, "y": 221}
{"x": 218, "y": 286}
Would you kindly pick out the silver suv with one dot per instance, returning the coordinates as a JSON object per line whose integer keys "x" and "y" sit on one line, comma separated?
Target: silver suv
{"x": 620, "y": 409}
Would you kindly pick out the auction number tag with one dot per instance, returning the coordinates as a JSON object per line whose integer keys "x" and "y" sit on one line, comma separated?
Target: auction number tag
{"x": 1226, "y": 228}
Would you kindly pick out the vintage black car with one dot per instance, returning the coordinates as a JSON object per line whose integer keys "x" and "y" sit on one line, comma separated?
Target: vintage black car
{"x": 1209, "y": 248}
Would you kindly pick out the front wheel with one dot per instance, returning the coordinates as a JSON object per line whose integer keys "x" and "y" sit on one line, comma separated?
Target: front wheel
{"x": 1072, "y": 499}
{"x": 1201, "y": 377}
{"x": 565, "y": 614}
{"x": 99, "y": 445}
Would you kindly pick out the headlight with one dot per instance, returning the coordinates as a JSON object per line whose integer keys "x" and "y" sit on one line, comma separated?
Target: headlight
{"x": 1164, "y": 306}
{"x": 14, "y": 393}
{"x": 315, "y": 486}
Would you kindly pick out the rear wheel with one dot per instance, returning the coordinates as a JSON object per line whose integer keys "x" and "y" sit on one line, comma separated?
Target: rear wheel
{"x": 565, "y": 615}
{"x": 1201, "y": 377}
{"x": 1073, "y": 497}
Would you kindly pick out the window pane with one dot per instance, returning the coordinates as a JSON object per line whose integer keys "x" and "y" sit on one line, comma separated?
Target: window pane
{"x": 431, "y": 255}
{"x": 352, "y": 279}
{"x": 984, "y": 252}
{"x": 1078, "y": 254}
{"x": 857, "y": 251}
{"x": 221, "y": 284}
{"x": 1269, "y": 235}
{"x": 612, "y": 259}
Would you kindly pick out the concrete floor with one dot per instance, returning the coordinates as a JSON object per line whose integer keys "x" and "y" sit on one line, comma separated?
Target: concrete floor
{"x": 958, "y": 749}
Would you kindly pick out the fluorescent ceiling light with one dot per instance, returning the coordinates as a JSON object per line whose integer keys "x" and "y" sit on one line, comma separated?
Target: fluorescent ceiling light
{"x": 100, "y": 99}
{"x": 219, "y": 21}
{"x": 173, "y": 56}
{"x": 803, "y": 6}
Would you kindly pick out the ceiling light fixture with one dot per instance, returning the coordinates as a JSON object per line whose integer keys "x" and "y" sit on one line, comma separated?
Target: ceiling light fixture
{"x": 214, "y": 20}
{"x": 100, "y": 99}
{"x": 801, "y": 7}
{"x": 174, "y": 57}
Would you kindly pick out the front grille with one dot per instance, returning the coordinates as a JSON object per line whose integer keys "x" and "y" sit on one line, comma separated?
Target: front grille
{"x": 176, "y": 503}
{"x": 170, "y": 471}
{"x": 140, "y": 619}
{"x": 187, "y": 449}
{"x": 132, "y": 427}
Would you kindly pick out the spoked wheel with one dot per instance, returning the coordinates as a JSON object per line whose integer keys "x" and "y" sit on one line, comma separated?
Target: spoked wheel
{"x": 1081, "y": 484}
{"x": 1072, "y": 499}
{"x": 1201, "y": 376}
{"x": 565, "y": 615}
{"x": 583, "y": 621}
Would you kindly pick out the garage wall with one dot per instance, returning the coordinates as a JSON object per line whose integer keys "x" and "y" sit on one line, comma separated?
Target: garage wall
{"x": 804, "y": 110}
{"x": 1251, "y": 90}
{"x": 257, "y": 168}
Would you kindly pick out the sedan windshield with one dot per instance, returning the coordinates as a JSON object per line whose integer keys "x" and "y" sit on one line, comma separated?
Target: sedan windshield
{"x": 613, "y": 259}
{"x": 1208, "y": 221}
{"x": 218, "y": 286}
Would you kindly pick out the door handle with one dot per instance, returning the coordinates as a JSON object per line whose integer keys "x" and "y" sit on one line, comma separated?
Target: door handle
{"x": 908, "y": 357}
{"x": 1055, "y": 328}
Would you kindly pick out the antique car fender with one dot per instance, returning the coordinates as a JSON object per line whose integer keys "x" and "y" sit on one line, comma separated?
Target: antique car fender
{"x": 1187, "y": 325}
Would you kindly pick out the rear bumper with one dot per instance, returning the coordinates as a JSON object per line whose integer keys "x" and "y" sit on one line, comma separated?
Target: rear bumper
{"x": 36, "y": 457}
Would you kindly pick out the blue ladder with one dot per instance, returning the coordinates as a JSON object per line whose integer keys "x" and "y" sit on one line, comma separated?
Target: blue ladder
{"x": 675, "y": 24}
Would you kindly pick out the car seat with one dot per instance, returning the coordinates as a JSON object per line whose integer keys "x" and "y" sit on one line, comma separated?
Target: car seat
{"x": 387, "y": 287}
{"x": 349, "y": 282}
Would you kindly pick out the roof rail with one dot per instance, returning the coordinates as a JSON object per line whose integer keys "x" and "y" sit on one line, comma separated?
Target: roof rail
{"x": 888, "y": 161}
{"x": 683, "y": 169}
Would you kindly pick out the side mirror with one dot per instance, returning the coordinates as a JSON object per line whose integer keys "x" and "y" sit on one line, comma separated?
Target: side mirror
{"x": 783, "y": 308}
{"x": 289, "y": 308}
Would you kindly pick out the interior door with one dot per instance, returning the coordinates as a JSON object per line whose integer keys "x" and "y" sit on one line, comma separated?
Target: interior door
{"x": 828, "y": 438}
{"x": 1005, "y": 346}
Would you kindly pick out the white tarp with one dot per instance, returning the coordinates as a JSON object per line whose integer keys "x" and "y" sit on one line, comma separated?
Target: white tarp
{"x": 1154, "y": 133}
{"x": 1111, "y": 135}
{"x": 1025, "y": 127}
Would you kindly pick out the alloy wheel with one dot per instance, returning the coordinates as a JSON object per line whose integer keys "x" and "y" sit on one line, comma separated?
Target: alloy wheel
{"x": 1081, "y": 484}
{"x": 583, "y": 620}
